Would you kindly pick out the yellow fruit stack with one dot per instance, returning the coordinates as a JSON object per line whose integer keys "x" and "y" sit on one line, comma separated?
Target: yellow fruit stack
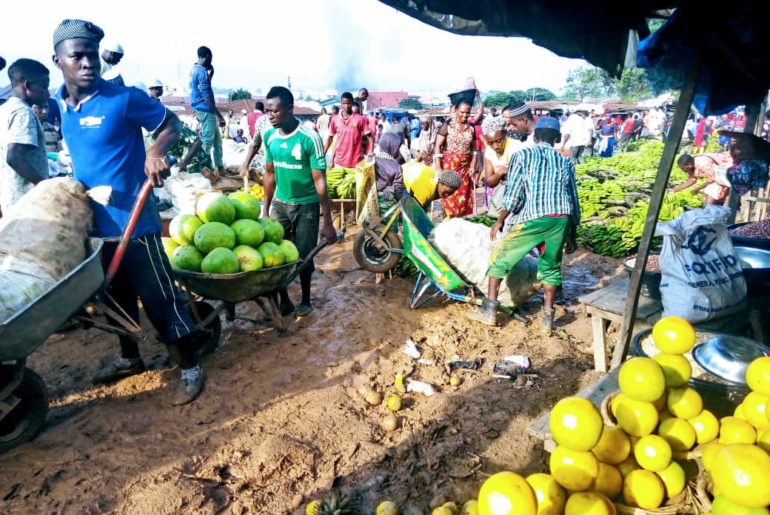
{"x": 739, "y": 461}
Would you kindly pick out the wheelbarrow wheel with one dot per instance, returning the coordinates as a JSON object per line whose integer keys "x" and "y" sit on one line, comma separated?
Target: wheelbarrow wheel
{"x": 371, "y": 256}
{"x": 214, "y": 327}
{"x": 24, "y": 422}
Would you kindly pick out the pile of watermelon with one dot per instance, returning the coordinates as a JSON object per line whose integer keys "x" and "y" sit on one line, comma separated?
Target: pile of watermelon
{"x": 226, "y": 237}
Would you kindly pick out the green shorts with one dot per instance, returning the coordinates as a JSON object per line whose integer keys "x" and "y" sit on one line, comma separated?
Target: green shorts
{"x": 523, "y": 238}
{"x": 300, "y": 225}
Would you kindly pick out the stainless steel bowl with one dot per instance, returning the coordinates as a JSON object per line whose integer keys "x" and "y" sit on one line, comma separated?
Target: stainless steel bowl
{"x": 755, "y": 259}
{"x": 728, "y": 356}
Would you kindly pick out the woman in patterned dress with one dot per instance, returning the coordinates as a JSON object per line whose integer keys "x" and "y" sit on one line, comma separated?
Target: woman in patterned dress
{"x": 455, "y": 145}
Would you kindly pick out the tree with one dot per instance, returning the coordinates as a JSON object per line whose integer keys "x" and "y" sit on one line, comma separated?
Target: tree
{"x": 239, "y": 94}
{"x": 588, "y": 82}
{"x": 501, "y": 99}
{"x": 410, "y": 103}
{"x": 634, "y": 85}
{"x": 540, "y": 95}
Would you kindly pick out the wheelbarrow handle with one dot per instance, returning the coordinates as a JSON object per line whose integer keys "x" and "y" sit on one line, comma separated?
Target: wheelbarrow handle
{"x": 309, "y": 258}
{"x": 125, "y": 238}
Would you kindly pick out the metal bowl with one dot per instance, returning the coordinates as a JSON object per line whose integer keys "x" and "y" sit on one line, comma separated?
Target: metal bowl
{"x": 747, "y": 241}
{"x": 753, "y": 258}
{"x": 728, "y": 356}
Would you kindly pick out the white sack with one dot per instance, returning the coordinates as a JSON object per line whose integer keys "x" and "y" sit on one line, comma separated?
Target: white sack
{"x": 182, "y": 188}
{"x": 42, "y": 239}
{"x": 702, "y": 275}
{"x": 467, "y": 247}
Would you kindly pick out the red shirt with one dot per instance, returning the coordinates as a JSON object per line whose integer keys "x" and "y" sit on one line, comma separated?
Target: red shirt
{"x": 252, "y": 118}
{"x": 349, "y": 134}
{"x": 628, "y": 126}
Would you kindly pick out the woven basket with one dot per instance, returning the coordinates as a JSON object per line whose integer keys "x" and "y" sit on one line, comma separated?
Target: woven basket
{"x": 693, "y": 500}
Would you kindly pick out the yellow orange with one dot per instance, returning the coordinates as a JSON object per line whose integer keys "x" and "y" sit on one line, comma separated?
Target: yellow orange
{"x": 755, "y": 407}
{"x": 589, "y": 503}
{"x": 734, "y": 430}
{"x": 740, "y": 412}
{"x": 673, "y": 335}
{"x": 652, "y": 453}
{"x": 763, "y": 440}
{"x": 576, "y": 423}
{"x": 673, "y": 479}
{"x": 679, "y": 434}
{"x": 551, "y": 497}
{"x": 643, "y": 489}
{"x": 574, "y": 470}
{"x": 471, "y": 508}
{"x": 637, "y": 418}
{"x": 628, "y": 466}
{"x": 676, "y": 369}
{"x": 706, "y": 426}
{"x": 609, "y": 481}
{"x": 613, "y": 447}
{"x": 642, "y": 379}
{"x": 742, "y": 474}
{"x": 724, "y": 506}
{"x": 506, "y": 493}
{"x": 684, "y": 402}
{"x": 758, "y": 375}
{"x": 708, "y": 452}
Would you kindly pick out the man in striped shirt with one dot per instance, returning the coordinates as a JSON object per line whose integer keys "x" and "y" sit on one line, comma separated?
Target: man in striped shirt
{"x": 541, "y": 196}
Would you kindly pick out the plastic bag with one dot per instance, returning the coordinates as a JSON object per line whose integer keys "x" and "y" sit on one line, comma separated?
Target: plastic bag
{"x": 182, "y": 188}
{"x": 702, "y": 276}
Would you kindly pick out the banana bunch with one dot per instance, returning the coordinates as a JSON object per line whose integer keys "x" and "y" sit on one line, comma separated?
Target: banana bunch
{"x": 614, "y": 195}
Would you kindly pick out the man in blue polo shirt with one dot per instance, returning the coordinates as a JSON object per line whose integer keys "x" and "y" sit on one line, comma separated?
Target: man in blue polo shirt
{"x": 102, "y": 125}
{"x": 202, "y": 102}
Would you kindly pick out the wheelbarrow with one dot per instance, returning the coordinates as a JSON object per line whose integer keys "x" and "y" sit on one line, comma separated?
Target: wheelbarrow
{"x": 380, "y": 249}
{"x": 261, "y": 286}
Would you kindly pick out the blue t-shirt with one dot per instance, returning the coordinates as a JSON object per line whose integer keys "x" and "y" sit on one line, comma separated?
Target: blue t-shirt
{"x": 200, "y": 89}
{"x": 104, "y": 137}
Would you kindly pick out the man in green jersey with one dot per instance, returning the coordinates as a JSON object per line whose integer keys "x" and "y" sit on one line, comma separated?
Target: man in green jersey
{"x": 295, "y": 185}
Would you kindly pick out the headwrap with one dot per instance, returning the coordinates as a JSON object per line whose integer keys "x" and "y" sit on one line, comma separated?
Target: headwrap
{"x": 450, "y": 178}
{"x": 518, "y": 110}
{"x": 492, "y": 124}
{"x": 77, "y": 29}
{"x": 388, "y": 175}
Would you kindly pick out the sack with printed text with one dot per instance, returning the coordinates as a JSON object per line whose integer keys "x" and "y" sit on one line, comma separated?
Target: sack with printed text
{"x": 702, "y": 276}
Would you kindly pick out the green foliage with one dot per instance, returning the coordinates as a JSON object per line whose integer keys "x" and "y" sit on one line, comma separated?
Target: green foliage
{"x": 633, "y": 85}
{"x": 502, "y": 99}
{"x": 591, "y": 82}
{"x": 410, "y": 103}
{"x": 239, "y": 94}
{"x": 614, "y": 196}
{"x": 588, "y": 82}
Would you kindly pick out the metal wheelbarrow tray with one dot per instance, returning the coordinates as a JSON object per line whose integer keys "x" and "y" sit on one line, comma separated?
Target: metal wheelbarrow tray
{"x": 238, "y": 287}
{"x": 24, "y": 332}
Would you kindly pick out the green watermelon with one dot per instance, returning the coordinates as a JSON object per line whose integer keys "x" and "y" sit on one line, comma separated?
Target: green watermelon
{"x": 215, "y": 207}
{"x": 271, "y": 254}
{"x": 220, "y": 261}
{"x": 273, "y": 230}
{"x": 213, "y": 235}
{"x": 182, "y": 229}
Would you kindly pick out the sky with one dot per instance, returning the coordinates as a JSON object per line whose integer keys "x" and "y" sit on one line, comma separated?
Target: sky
{"x": 318, "y": 43}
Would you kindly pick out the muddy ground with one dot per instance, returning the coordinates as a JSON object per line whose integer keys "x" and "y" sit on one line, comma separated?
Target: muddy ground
{"x": 281, "y": 421}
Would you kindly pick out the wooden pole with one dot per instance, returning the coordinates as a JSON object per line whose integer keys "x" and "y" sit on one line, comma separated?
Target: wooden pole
{"x": 653, "y": 211}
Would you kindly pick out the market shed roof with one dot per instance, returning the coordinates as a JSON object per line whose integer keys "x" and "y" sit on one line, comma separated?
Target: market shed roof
{"x": 733, "y": 40}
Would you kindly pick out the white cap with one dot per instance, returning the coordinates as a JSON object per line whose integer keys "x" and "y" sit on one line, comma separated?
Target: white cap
{"x": 113, "y": 46}
{"x": 243, "y": 111}
{"x": 155, "y": 83}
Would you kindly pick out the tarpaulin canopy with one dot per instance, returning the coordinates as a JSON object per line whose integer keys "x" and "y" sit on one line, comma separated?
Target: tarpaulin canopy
{"x": 594, "y": 30}
{"x": 733, "y": 38}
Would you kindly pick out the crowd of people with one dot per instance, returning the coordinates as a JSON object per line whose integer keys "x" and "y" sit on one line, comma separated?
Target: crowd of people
{"x": 522, "y": 160}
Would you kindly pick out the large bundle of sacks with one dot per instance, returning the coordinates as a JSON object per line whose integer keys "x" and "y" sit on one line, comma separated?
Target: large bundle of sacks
{"x": 42, "y": 239}
{"x": 467, "y": 247}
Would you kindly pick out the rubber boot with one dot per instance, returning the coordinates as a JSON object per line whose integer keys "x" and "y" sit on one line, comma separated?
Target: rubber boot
{"x": 486, "y": 313}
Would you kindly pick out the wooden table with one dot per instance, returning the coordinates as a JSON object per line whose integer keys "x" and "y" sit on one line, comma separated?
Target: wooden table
{"x": 606, "y": 305}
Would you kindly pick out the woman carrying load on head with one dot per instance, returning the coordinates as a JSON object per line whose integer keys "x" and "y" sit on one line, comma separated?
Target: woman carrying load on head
{"x": 454, "y": 150}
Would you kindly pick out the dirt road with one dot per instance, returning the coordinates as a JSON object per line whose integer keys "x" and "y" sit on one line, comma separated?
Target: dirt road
{"x": 281, "y": 421}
